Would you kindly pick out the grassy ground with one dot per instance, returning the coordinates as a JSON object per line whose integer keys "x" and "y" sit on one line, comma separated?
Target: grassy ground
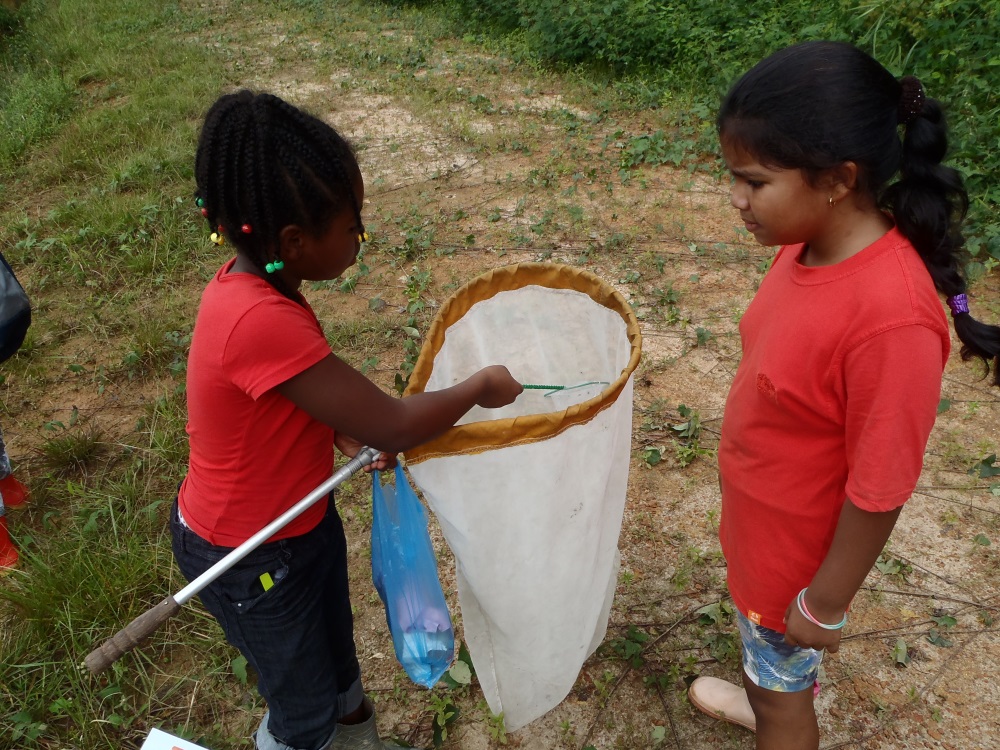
{"x": 471, "y": 161}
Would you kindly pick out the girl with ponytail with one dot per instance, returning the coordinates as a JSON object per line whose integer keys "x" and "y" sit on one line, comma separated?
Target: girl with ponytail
{"x": 844, "y": 346}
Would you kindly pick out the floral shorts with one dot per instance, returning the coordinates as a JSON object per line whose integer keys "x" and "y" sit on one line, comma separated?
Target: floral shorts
{"x": 772, "y": 664}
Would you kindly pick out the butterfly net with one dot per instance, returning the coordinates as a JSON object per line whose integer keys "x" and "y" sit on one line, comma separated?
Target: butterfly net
{"x": 530, "y": 497}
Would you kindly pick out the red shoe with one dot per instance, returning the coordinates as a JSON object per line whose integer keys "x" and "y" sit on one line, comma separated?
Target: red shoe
{"x": 13, "y": 492}
{"x": 8, "y": 553}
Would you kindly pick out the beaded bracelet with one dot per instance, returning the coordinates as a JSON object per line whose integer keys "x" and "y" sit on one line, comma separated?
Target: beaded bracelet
{"x": 800, "y": 600}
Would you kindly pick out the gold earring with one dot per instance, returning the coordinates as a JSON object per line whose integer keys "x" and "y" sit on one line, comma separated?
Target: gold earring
{"x": 831, "y": 201}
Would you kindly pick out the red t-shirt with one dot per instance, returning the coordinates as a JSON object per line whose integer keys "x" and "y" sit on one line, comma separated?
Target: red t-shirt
{"x": 254, "y": 453}
{"x": 834, "y": 398}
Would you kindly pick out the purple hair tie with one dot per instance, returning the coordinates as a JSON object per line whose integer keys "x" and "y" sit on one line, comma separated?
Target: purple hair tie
{"x": 958, "y": 304}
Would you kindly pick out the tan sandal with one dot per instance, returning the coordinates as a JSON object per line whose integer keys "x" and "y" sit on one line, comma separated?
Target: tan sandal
{"x": 722, "y": 700}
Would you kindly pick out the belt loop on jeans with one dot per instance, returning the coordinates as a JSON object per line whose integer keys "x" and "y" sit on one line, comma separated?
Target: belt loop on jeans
{"x": 180, "y": 517}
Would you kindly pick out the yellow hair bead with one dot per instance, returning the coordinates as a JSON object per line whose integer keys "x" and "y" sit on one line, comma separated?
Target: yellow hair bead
{"x": 217, "y": 238}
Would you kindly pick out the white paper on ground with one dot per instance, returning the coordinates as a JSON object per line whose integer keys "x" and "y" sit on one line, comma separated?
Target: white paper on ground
{"x": 160, "y": 740}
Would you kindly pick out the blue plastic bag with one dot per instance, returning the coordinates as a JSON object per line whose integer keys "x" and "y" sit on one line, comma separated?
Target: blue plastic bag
{"x": 405, "y": 573}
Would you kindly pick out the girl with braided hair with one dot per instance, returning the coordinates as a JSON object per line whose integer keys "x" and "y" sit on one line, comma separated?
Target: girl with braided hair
{"x": 267, "y": 403}
{"x": 844, "y": 346}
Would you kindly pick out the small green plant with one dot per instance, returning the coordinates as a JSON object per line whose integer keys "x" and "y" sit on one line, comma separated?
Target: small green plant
{"x": 445, "y": 713}
{"x": 900, "y": 653}
{"x": 724, "y": 647}
{"x": 893, "y": 567}
{"x": 416, "y": 284}
{"x": 688, "y": 434}
{"x": 720, "y": 639}
{"x": 986, "y": 468}
{"x": 652, "y": 455}
{"x": 24, "y": 727}
{"x": 719, "y": 613}
{"x": 630, "y": 647}
{"x": 238, "y": 666}
{"x": 417, "y": 240}
{"x": 691, "y": 559}
{"x": 690, "y": 429}
{"x": 74, "y": 450}
{"x": 658, "y": 735}
{"x": 495, "y": 727}
{"x": 942, "y": 624}
{"x": 632, "y": 277}
{"x": 665, "y": 297}
{"x": 460, "y": 674}
{"x": 654, "y": 149}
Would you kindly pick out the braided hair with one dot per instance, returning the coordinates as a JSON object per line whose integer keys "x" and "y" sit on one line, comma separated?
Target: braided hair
{"x": 816, "y": 105}
{"x": 263, "y": 164}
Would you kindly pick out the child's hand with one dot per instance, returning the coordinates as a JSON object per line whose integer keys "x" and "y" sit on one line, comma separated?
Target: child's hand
{"x": 498, "y": 388}
{"x": 802, "y": 633}
{"x": 350, "y": 447}
{"x": 382, "y": 462}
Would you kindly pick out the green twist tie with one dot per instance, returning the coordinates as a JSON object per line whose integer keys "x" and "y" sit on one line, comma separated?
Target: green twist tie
{"x": 556, "y": 388}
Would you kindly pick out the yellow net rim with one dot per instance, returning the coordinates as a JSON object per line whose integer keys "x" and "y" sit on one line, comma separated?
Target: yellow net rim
{"x": 478, "y": 437}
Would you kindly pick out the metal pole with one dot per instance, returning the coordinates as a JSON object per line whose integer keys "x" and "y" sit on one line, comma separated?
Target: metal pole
{"x": 137, "y": 631}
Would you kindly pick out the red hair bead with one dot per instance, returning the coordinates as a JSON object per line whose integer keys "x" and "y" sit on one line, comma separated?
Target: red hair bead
{"x": 204, "y": 212}
{"x": 246, "y": 229}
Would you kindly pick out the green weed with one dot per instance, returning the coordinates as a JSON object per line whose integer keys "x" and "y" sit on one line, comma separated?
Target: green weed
{"x": 73, "y": 451}
{"x": 445, "y": 715}
{"x": 893, "y": 567}
{"x": 630, "y": 646}
{"x": 416, "y": 285}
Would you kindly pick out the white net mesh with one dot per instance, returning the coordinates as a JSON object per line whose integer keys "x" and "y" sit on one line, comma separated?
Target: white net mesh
{"x": 534, "y": 523}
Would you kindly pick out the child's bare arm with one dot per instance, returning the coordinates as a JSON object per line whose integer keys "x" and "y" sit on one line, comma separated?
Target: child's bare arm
{"x": 857, "y": 543}
{"x": 336, "y": 394}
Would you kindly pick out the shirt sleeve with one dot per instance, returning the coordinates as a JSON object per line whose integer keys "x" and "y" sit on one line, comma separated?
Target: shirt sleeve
{"x": 272, "y": 342}
{"x": 893, "y": 383}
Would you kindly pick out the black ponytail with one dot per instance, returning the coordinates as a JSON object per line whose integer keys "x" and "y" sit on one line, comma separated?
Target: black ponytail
{"x": 929, "y": 202}
{"x": 262, "y": 165}
{"x": 815, "y": 105}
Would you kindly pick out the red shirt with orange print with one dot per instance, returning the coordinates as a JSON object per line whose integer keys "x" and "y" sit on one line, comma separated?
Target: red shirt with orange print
{"x": 254, "y": 453}
{"x": 834, "y": 398}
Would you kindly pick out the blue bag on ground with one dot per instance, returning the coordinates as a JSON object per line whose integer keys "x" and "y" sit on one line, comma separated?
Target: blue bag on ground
{"x": 405, "y": 573}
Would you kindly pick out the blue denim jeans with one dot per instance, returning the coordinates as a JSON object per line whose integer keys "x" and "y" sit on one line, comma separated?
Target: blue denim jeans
{"x": 4, "y": 459}
{"x": 295, "y": 628}
{"x": 4, "y": 468}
